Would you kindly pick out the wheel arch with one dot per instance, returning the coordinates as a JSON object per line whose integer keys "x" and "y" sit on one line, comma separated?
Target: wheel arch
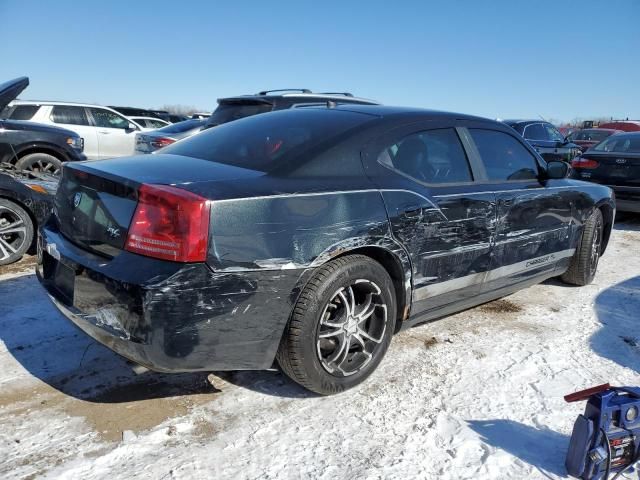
{"x": 39, "y": 148}
{"x": 392, "y": 263}
{"x": 608, "y": 214}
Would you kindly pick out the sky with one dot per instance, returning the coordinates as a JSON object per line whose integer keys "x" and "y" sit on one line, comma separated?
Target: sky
{"x": 499, "y": 59}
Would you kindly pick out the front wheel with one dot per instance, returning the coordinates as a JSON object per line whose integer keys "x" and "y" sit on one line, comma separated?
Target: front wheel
{"x": 584, "y": 263}
{"x": 341, "y": 325}
{"x": 40, "y": 162}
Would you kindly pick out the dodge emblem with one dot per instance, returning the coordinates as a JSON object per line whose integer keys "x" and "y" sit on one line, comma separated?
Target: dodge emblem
{"x": 77, "y": 198}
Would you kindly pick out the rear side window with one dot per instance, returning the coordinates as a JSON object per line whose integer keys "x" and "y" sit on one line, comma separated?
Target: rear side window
{"x": 268, "y": 142}
{"x": 504, "y": 157}
{"x": 228, "y": 112}
{"x": 24, "y": 112}
{"x": 69, "y": 115}
{"x": 433, "y": 156}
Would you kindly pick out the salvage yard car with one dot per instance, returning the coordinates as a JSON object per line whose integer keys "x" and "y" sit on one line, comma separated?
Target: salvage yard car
{"x": 614, "y": 162}
{"x": 545, "y": 138}
{"x": 106, "y": 133}
{"x": 309, "y": 236}
{"x": 26, "y": 199}
{"x": 33, "y": 146}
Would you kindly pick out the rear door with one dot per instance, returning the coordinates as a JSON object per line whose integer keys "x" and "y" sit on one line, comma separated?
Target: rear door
{"x": 437, "y": 212}
{"x": 75, "y": 118}
{"x": 115, "y": 138}
{"x": 533, "y": 216}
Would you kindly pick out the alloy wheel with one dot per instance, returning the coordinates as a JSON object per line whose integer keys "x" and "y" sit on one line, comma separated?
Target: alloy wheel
{"x": 351, "y": 328}
{"x": 13, "y": 232}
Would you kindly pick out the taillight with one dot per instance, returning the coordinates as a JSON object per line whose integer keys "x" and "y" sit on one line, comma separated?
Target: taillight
{"x": 582, "y": 162}
{"x": 169, "y": 223}
{"x": 162, "y": 142}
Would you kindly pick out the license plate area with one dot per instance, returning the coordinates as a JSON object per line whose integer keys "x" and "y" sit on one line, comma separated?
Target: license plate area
{"x": 62, "y": 278}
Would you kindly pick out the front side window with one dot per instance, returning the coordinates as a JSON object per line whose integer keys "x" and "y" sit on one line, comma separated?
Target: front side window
{"x": 553, "y": 134}
{"x": 155, "y": 124}
{"x": 23, "y": 112}
{"x": 433, "y": 156}
{"x": 504, "y": 157}
{"x": 535, "y": 131}
{"x": 69, "y": 115}
{"x": 107, "y": 119}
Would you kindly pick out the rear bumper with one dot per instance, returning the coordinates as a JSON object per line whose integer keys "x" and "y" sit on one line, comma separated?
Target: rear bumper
{"x": 166, "y": 316}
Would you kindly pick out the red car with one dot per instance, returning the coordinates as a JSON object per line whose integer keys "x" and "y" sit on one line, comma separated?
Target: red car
{"x": 588, "y": 137}
{"x": 624, "y": 125}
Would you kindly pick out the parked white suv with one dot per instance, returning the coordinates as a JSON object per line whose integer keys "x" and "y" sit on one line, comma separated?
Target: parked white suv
{"x": 106, "y": 132}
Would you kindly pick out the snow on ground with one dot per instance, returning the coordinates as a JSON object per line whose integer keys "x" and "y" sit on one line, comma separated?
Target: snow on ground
{"x": 475, "y": 395}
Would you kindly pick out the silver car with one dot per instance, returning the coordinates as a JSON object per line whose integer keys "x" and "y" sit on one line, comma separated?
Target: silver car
{"x": 149, "y": 142}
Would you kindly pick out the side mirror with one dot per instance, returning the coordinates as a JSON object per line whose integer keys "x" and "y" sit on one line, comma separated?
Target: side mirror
{"x": 131, "y": 127}
{"x": 557, "y": 169}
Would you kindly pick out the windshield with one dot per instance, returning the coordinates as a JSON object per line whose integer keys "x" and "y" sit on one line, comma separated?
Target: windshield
{"x": 181, "y": 127}
{"x": 266, "y": 142}
{"x": 620, "y": 143}
{"x": 590, "y": 135}
{"x": 229, "y": 111}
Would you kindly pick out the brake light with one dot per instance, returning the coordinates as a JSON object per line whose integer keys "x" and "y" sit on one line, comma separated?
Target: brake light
{"x": 169, "y": 223}
{"x": 587, "y": 163}
{"x": 162, "y": 142}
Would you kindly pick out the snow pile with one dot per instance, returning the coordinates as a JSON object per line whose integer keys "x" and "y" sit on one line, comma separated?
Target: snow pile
{"x": 475, "y": 395}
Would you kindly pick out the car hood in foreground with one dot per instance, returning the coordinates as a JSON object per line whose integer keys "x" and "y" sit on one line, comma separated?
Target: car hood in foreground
{"x": 11, "y": 89}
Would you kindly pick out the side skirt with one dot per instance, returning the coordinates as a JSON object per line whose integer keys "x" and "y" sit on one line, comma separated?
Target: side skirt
{"x": 476, "y": 300}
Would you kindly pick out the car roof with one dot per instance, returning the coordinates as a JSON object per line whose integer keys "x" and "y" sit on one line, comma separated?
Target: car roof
{"x": 306, "y": 96}
{"x": 388, "y": 111}
{"x": 48, "y": 102}
{"x": 518, "y": 122}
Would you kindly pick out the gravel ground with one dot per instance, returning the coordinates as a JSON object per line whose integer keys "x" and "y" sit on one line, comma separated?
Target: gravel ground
{"x": 475, "y": 395}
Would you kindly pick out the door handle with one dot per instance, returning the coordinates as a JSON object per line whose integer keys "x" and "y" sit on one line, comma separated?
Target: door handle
{"x": 413, "y": 211}
{"x": 507, "y": 202}
{"x": 103, "y": 132}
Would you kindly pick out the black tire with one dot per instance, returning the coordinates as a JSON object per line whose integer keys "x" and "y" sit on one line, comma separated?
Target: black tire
{"x": 305, "y": 353}
{"x": 584, "y": 262}
{"x": 40, "y": 162}
{"x": 16, "y": 232}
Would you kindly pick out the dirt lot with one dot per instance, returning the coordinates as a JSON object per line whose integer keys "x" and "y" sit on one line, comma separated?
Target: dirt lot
{"x": 475, "y": 395}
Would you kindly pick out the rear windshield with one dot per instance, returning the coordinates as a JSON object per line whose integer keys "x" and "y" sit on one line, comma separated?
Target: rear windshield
{"x": 267, "y": 142}
{"x": 620, "y": 143}
{"x": 181, "y": 127}
{"x": 590, "y": 135}
{"x": 229, "y": 111}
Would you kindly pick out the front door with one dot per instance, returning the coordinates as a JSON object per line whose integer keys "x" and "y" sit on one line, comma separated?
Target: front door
{"x": 533, "y": 216}
{"x": 436, "y": 212}
{"x": 115, "y": 138}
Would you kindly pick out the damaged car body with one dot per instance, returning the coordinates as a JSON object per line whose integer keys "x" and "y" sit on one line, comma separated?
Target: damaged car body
{"x": 309, "y": 236}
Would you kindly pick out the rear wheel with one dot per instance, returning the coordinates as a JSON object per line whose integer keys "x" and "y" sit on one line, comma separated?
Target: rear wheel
{"x": 40, "y": 162}
{"x": 584, "y": 263}
{"x": 16, "y": 232}
{"x": 341, "y": 326}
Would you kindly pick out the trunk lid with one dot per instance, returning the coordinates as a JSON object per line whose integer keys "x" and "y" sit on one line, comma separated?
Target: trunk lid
{"x": 96, "y": 200}
{"x": 614, "y": 168}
